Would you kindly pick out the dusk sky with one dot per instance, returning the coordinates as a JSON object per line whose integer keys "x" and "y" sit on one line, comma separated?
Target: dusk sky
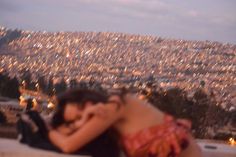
{"x": 213, "y": 20}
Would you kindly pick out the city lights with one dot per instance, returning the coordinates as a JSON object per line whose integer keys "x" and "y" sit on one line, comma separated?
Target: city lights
{"x": 232, "y": 141}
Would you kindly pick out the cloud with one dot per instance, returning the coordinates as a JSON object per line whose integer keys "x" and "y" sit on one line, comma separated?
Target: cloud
{"x": 172, "y": 18}
{"x": 193, "y": 13}
{"x": 127, "y": 8}
{"x": 6, "y": 6}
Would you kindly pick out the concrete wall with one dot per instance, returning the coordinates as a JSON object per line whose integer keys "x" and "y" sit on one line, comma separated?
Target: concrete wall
{"x": 12, "y": 148}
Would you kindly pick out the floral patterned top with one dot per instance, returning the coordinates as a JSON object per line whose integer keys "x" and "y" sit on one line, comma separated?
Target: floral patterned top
{"x": 163, "y": 140}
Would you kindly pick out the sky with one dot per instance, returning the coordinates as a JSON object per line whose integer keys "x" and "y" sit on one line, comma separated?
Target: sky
{"x": 213, "y": 20}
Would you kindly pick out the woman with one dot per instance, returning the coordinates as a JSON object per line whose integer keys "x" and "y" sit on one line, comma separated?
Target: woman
{"x": 102, "y": 146}
{"x": 33, "y": 130}
{"x": 143, "y": 130}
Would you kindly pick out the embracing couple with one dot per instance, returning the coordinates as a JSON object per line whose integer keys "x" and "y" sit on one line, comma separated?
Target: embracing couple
{"x": 123, "y": 122}
{"x": 98, "y": 124}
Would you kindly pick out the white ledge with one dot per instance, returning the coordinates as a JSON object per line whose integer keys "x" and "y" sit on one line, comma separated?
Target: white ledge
{"x": 12, "y": 148}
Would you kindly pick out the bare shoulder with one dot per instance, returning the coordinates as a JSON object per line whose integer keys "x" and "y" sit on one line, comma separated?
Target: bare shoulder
{"x": 116, "y": 106}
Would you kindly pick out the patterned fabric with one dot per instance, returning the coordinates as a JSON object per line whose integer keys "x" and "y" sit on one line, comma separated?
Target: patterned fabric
{"x": 163, "y": 140}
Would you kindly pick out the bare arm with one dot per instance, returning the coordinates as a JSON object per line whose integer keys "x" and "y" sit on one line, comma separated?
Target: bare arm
{"x": 93, "y": 128}
{"x": 65, "y": 130}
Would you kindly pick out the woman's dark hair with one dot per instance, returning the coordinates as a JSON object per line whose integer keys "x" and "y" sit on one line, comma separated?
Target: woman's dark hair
{"x": 105, "y": 145}
{"x": 78, "y": 96}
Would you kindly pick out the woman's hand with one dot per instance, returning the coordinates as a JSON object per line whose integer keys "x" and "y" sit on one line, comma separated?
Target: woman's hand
{"x": 100, "y": 110}
{"x": 65, "y": 129}
{"x": 95, "y": 110}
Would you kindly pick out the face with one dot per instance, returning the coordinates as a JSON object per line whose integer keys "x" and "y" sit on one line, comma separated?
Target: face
{"x": 72, "y": 112}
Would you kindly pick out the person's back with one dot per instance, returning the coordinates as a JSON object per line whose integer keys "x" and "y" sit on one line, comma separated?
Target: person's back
{"x": 145, "y": 130}
{"x": 137, "y": 115}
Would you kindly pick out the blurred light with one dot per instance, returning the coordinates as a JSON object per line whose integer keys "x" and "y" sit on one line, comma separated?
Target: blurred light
{"x": 232, "y": 141}
{"x": 142, "y": 97}
{"x": 35, "y": 103}
{"x": 50, "y": 105}
{"x": 22, "y": 101}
